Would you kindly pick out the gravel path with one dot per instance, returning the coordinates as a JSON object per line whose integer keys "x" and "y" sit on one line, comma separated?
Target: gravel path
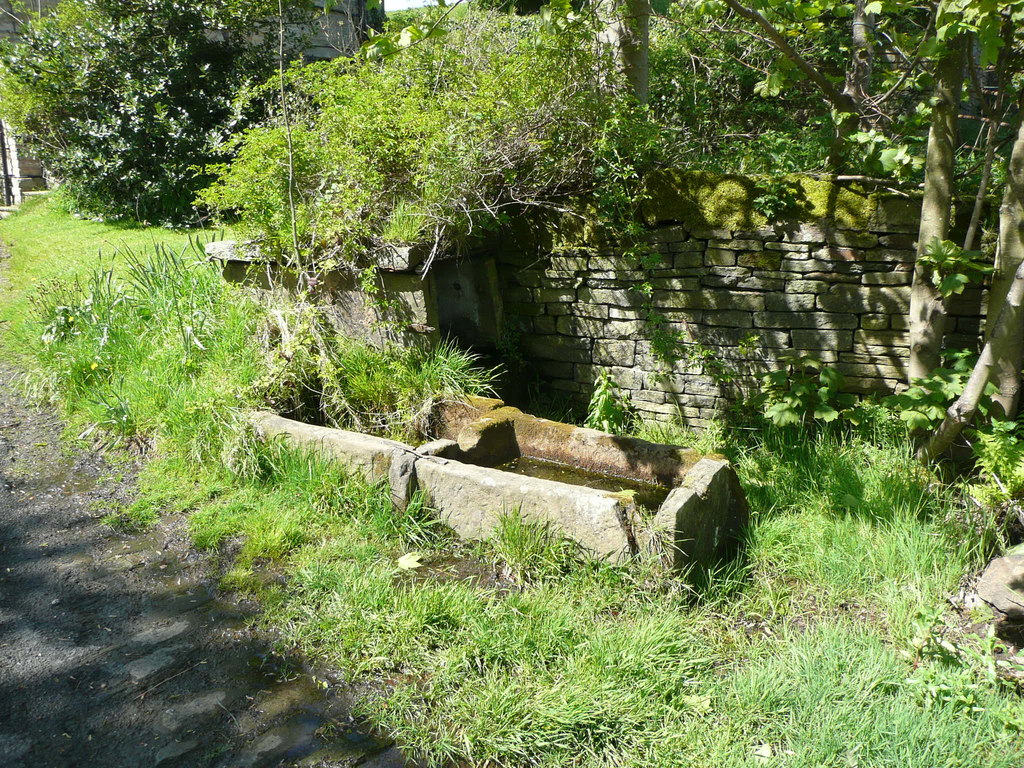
{"x": 117, "y": 651}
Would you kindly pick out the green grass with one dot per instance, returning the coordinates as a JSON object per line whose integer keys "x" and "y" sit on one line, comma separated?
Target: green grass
{"x": 809, "y": 653}
{"x": 46, "y": 244}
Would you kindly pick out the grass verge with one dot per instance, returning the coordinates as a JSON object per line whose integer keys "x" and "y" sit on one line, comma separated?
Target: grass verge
{"x": 822, "y": 649}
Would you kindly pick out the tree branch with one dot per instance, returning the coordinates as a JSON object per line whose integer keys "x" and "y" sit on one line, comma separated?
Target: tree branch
{"x": 837, "y": 98}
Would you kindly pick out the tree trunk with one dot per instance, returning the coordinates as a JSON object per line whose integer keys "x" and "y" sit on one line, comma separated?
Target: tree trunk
{"x": 1008, "y": 351}
{"x": 858, "y": 80}
{"x": 627, "y": 31}
{"x": 927, "y": 308}
{"x": 862, "y": 54}
{"x": 1009, "y": 326}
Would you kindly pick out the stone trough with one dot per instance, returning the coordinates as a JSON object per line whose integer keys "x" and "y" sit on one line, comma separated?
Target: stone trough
{"x": 615, "y": 496}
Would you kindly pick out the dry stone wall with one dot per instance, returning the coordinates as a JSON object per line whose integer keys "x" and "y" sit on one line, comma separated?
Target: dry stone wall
{"x": 833, "y": 288}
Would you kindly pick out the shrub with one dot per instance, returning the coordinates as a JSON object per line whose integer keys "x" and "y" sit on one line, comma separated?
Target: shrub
{"x": 126, "y": 101}
{"x": 438, "y": 142}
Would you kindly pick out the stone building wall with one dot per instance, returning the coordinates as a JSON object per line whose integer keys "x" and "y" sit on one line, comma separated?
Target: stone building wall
{"x": 833, "y": 283}
{"x": 24, "y": 173}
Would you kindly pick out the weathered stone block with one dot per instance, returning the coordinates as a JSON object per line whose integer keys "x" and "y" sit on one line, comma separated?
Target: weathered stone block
{"x": 568, "y": 263}
{"x": 547, "y": 295}
{"x": 528, "y": 278}
{"x": 615, "y": 352}
{"x": 667, "y": 235}
{"x": 789, "y": 247}
{"x": 804, "y": 320}
{"x": 822, "y": 339}
{"x": 573, "y": 350}
{"x": 622, "y": 329}
{"x": 719, "y": 258}
{"x": 734, "y": 337}
{"x": 896, "y": 277}
{"x": 742, "y": 283}
{"x": 648, "y": 396}
{"x": 880, "y": 338}
{"x": 615, "y": 264}
{"x": 553, "y": 369}
{"x": 523, "y": 310}
{"x": 899, "y": 323}
{"x": 736, "y": 245}
{"x": 674, "y": 284}
{"x": 790, "y": 302}
{"x": 896, "y": 214}
{"x": 853, "y": 239}
{"x": 899, "y": 241}
{"x": 819, "y": 265}
{"x": 521, "y": 295}
{"x": 472, "y": 500}
{"x": 365, "y": 455}
{"x": 703, "y": 233}
{"x": 871, "y": 370}
{"x": 593, "y": 311}
{"x": 557, "y": 310}
{"x": 875, "y": 299}
{"x": 584, "y": 327}
{"x": 807, "y": 233}
{"x": 808, "y": 286}
{"x": 618, "y": 313}
{"x": 890, "y": 256}
{"x": 687, "y": 246}
{"x": 874, "y": 322}
{"x": 769, "y": 260}
{"x": 615, "y": 298}
{"x": 569, "y": 385}
{"x": 544, "y": 324}
{"x": 729, "y": 318}
{"x": 702, "y": 521}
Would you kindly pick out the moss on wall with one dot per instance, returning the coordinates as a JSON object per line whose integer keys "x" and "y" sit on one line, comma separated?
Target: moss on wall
{"x": 702, "y": 200}
{"x": 705, "y": 200}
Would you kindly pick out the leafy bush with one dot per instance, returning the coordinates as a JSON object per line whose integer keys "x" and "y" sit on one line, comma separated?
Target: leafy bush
{"x": 607, "y": 410}
{"x": 923, "y": 405}
{"x": 126, "y": 101}
{"x": 803, "y": 391}
{"x": 439, "y": 142}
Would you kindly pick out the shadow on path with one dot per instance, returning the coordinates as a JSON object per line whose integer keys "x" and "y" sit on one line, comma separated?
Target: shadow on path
{"x": 113, "y": 652}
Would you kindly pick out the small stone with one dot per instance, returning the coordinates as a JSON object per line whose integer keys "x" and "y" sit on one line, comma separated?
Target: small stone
{"x": 1002, "y": 586}
{"x": 175, "y": 749}
{"x": 148, "y": 665}
{"x": 161, "y": 633}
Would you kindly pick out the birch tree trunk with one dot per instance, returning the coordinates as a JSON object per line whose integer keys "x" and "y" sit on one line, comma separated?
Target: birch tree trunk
{"x": 1009, "y": 348}
{"x": 627, "y": 31}
{"x": 1009, "y": 326}
{"x": 927, "y": 308}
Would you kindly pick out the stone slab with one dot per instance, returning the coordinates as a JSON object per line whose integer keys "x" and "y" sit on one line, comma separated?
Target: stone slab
{"x": 366, "y": 455}
{"x": 702, "y": 521}
{"x": 473, "y": 499}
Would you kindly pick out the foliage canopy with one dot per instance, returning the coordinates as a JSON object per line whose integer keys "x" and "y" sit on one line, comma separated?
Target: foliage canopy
{"x": 127, "y": 101}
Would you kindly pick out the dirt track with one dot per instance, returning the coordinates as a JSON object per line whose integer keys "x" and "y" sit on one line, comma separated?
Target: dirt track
{"x": 116, "y": 650}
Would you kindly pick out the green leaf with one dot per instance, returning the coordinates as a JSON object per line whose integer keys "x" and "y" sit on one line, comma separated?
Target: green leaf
{"x": 831, "y": 378}
{"x": 888, "y": 159}
{"x": 825, "y": 412}
{"x": 915, "y": 420}
{"x": 783, "y": 415}
{"x": 874, "y": 7}
{"x": 954, "y": 283}
{"x": 410, "y": 561}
